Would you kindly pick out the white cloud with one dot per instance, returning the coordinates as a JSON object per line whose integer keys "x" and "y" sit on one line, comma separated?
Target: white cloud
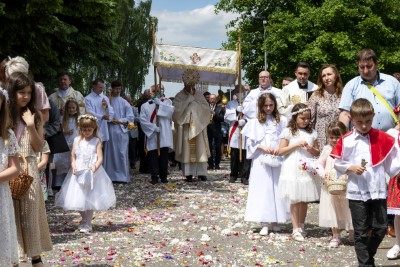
{"x": 199, "y": 27}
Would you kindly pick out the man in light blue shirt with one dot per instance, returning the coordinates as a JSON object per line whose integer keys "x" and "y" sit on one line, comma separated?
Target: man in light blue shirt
{"x": 386, "y": 85}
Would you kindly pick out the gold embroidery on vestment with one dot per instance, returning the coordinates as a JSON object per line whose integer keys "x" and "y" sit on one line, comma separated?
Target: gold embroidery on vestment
{"x": 192, "y": 150}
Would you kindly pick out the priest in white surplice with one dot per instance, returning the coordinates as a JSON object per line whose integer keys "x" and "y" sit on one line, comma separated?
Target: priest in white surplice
{"x": 298, "y": 91}
{"x": 161, "y": 109}
{"x": 191, "y": 116}
{"x": 116, "y": 160}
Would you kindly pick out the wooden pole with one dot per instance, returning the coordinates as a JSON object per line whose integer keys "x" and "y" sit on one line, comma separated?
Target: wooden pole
{"x": 240, "y": 116}
{"x": 153, "y": 22}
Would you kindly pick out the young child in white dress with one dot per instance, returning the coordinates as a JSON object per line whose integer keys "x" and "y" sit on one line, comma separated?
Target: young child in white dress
{"x": 69, "y": 126}
{"x": 393, "y": 199}
{"x": 86, "y": 187}
{"x": 334, "y": 210}
{"x": 9, "y": 168}
{"x": 263, "y": 202}
{"x": 297, "y": 186}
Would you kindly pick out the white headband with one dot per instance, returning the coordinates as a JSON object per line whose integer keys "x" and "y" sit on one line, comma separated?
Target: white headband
{"x": 301, "y": 111}
{"x": 87, "y": 116}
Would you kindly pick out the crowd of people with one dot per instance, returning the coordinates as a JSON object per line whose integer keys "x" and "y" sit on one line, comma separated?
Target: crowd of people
{"x": 283, "y": 143}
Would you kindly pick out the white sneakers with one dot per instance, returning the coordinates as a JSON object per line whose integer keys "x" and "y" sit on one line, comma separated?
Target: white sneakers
{"x": 297, "y": 236}
{"x": 335, "y": 242}
{"x": 269, "y": 226}
{"x": 393, "y": 253}
{"x": 264, "y": 230}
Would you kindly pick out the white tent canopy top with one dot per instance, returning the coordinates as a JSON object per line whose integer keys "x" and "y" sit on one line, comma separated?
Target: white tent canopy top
{"x": 216, "y": 67}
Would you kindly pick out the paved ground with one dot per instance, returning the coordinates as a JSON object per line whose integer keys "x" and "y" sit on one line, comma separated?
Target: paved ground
{"x": 196, "y": 224}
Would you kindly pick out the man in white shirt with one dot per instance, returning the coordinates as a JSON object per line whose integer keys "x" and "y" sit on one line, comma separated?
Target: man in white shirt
{"x": 265, "y": 86}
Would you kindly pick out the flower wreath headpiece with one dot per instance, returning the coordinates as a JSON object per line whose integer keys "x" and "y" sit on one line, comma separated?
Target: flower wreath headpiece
{"x": 191, "y": 77}
{"x": 5, "y": 93}
{"x": 87, "y": 116}
{"x": 301, "y": 111}
{"x": 396, "y": 109}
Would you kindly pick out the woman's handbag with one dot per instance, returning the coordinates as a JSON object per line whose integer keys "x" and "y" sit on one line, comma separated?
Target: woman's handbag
{"x": 336, "y": 185}
{"x": 57, "y": 143}
{"x": 20, "y": 185}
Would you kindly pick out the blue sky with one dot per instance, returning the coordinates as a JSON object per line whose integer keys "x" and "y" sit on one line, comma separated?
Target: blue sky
{"x": 180, "y": 5}
{"x": 188, "y": 23}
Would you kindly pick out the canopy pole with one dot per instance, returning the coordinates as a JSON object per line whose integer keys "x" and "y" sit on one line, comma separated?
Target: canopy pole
{"x": 239, "y": 66}
{"x": 153, "y": 23}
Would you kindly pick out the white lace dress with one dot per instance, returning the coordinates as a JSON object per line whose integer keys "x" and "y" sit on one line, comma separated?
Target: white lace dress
{"x": 94, "y": 191}
{"x": 295, "y": 184}
{"x": 8, "y": 232}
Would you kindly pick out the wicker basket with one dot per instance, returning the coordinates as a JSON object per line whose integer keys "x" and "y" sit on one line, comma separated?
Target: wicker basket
{"x": 20, "y": 185}
{"x": 336, "y": 185}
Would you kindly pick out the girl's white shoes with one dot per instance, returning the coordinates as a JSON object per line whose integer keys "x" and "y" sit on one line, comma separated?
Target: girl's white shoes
{"x": 335, "y": 242}
{"x": 393, "y": 253}
{"x": 297, "y": 236}
{"x": 269, "y": 226}
{"x": 264, "y": 230}
{"x": 85, "y": 227}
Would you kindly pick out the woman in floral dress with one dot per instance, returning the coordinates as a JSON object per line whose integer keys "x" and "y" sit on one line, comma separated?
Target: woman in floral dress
{"x": 324, "y": 102}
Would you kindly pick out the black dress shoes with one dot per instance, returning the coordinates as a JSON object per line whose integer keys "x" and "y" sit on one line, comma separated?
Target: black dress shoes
{"x": 202, "y": 178}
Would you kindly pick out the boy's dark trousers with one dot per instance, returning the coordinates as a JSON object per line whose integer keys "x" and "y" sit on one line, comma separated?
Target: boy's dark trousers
{"x": 132, "y": 152}
{"x": 158, "y": 164}
{"x": 370, "y": 223}
{"x": 237, "y": 167}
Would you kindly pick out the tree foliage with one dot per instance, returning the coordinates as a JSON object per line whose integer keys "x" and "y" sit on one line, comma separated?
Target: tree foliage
{"x": 94, "y": 38}
{"x": 315, "y": 31}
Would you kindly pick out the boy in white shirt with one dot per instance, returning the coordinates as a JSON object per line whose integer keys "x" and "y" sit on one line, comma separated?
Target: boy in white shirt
{"x": 366, "y": 154}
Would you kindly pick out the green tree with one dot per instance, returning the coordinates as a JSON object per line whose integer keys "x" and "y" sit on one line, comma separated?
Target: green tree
{"x": 134, "y": 34}
{"x": 85, "y": 37}
{"x": 318, "y": 32}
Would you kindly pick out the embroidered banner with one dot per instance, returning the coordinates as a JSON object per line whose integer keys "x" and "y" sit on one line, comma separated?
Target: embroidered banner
{"x": 216, "y": 67}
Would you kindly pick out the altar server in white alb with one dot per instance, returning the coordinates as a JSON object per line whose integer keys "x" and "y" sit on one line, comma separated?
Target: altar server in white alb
{"x": 238, "y": 168}
{"x": 116, "y": 160}
{"x": 157, "y": 109}
{"x": 98, "y": 105}
{"x": 264, "y": 204}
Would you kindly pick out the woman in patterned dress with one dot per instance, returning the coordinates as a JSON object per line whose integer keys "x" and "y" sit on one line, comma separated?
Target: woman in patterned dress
{"x": 30, "y": 214}
{"x": 324, "y": 102}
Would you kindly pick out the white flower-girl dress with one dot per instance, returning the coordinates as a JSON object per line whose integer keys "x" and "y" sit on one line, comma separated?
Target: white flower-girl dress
{"x": 86, "y": 190}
